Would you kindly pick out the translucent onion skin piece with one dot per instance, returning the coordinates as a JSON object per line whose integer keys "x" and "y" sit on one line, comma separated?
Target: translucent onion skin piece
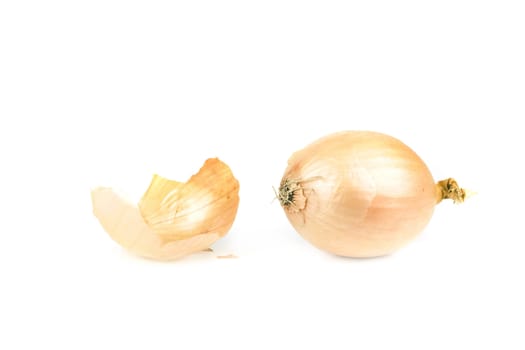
{"x": 173, "y": 219}
{"x": 358, "y": 193}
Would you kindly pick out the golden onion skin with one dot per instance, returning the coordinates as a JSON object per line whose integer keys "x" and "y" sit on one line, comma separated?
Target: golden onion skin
{"x": 173, "y": 219}
{"x": 358, "y": 193}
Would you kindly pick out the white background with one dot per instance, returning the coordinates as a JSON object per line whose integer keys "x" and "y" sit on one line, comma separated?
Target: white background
{"x": 110, "y": 92}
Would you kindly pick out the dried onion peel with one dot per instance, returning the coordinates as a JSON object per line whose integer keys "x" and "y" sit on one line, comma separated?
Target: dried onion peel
{"x": 172, "y": 219}
{"x": 360, "y": 193}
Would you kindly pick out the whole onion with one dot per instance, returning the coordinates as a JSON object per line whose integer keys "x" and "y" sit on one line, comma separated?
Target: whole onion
{"x": 360, "y": 193}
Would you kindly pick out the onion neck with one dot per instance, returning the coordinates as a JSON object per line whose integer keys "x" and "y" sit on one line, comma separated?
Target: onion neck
{"x": 449, "y": 189}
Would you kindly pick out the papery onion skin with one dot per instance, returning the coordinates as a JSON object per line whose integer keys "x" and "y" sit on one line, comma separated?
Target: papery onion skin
{"x": 133, "y": 233}
{"x": 173, "y": 219}
{"x": 358, "y": 193}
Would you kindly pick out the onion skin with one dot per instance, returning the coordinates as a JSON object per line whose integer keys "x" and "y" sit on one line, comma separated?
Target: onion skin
{"x": 358, "y": 193}
{"x": 173, "y": 219}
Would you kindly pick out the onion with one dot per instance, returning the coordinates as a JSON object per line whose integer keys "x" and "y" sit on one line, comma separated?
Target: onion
{"x": 360, "y": 193}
